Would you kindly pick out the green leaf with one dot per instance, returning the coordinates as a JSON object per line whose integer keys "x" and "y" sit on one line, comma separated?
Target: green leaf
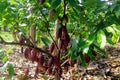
{"x": 114, "y": 33}
{"x": 73, "y": 54}
{"x": 117, "y": 29}
{"x": 90, "y": 39}
{"x": 112, "y": 8}
{"x": 74, "y": 42}
{"x": 13, "y": 2}
{"x": 101, "y": 38}
{"x": 85, "y": 50}
{"x": 82, "y": 59}
{"x": 72, "y": 3}
{"x": 109, "y": 40}
{"x": 5, "y": 58}
{"x": 111, "y": 30}
{"x": 10, "y": 70}
{"x": 84, "y": 44}
{"x": 81, "y": 43}
{"x": 91, "y": 3}
{"x": 117, "y": 13}
{"x": 8, "y": 51}
{"x": 101, "y": 50}
{"x": 3, "y": 5}
{"x": 55, "y": 3}
{"x": 45, "y": 40}
{"x": 114, "y": 38}
{"x": 90, "y": 55}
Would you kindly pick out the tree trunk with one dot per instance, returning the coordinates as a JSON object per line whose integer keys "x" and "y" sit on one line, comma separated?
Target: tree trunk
{"x": 33, "y": 33}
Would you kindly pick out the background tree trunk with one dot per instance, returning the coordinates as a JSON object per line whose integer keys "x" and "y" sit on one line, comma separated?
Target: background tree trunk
{"x": 33, "y": 33}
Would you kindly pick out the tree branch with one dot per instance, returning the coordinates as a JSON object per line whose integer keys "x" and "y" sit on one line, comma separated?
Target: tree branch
{"x": 24, "y": 44}
{"x": 47, "y": 25}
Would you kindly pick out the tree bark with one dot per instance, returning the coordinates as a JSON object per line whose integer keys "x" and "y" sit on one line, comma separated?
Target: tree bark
{"x": 33, "y": 33}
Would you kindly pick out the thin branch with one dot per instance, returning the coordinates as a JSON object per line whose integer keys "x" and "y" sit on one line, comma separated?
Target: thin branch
{"x": 52, "y": 37}
{"x": 25, "y": 44}
{"x": 47, "y": 24}
{"x": 64, "y": 62}
{"x": 64, "y": 7}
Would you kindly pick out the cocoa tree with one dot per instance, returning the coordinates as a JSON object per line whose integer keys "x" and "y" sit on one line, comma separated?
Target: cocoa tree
{"x": 70, "y": 30}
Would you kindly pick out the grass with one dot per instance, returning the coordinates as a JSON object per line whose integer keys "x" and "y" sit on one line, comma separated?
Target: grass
{"x": 7, "y": 36}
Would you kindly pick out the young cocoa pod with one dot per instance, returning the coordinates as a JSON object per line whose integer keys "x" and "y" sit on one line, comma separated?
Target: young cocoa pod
{"x": 71, "y": 63}
{"x": 58, "y": 33}
{"x": 57, "y": 28}
{"x": 65, "y": 18}
{"x": 50, "y": 62}
{"x": 27, "y": 52}
{"x": 87, "y": 58}
{"x": 49, "y": 71}
{"x": 60, "y": 43}
{"x": 42, "y": 1}
{"x": 26, "y": 72}
{"x": 53, "y": 72}
{"x": 40, "y": 60}
{"x": 36, "y": 70}
{"x": 57, "y": 62}
{"x": 64, "y": 46}
{"x": 94, "y": 53}
{"x": 60, "y": 72}
{"x": 66, "y": 38}
{"x": 33, "y": 55}
{"x": 44, "y": 68}
{"x": 51, "y": 47}
{"x": 21, "y": 40}
{"x": 64, "y": 30}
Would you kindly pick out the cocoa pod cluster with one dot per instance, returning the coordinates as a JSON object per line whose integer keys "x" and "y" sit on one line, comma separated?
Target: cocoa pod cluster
{"x": 63, "y": 37}
{"x": 63, "y": 41}
{"x": 60, "y": 45}
{"x": 50, "y": 65}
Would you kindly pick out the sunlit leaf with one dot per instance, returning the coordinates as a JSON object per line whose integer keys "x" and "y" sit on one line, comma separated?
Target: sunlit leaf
{"x": 8, "y": 51}
{"x": 86, "y": 50}
{"x": 114, "y": 38}
{"x": 84, "y": 44}
{"x": 90, "y": 39}
{"x": 101, "y": 38}
{"x": 110, "y": 29}
{"x": 5, "y": 58}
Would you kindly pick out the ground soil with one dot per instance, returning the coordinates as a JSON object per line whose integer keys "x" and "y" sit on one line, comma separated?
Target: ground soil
{"x": 105, "y": 68}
